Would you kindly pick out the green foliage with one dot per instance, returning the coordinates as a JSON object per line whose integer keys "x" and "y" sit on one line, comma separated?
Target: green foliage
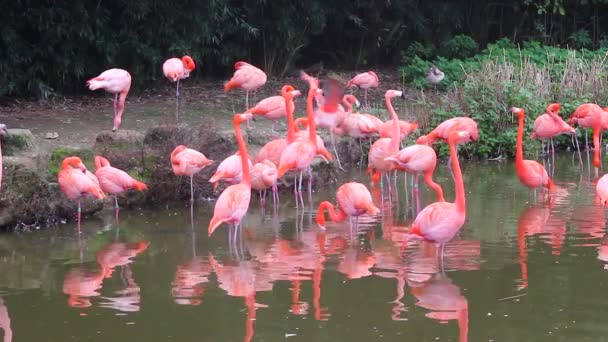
{"x": 460, "y": 46}
{"x": 60, "y": 153}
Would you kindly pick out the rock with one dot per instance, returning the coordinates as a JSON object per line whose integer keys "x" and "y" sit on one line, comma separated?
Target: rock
{"x": 122, "y": 148}
{"x": 51, "y": 135}
{"x": 61, "y": 153}
{"x": 19, "y": 141}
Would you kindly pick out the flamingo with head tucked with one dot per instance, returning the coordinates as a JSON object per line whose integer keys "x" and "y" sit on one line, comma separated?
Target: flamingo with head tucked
{"x": 176, "y": 69}
{"x": 114, "y": 181}
{"x": 549, "y": 125}
{"x": 274, "y": 107}
{"x": 590, "y": 115}
{"x": 364, "y": 80}
{"x": 247, "y": 77}
{"x": 188, "y": 162}
{"x": 117, "y": 82}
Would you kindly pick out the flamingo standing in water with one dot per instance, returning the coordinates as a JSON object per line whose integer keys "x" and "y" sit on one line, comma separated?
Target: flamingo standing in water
{"x": 176, "y": 69}
{"x": 233, "y": 203}
{"x": 549, "y": 125}
{"x": 114, "y": 181}
{"x": 440, "y": 221}
{"x": 353, "y": 199}
{"x": 188, "y": 162}
{"x": 246, "y": 77}
{"x": 75, "y": 183}
{"x": 590, "y": 115}
{"x": 601, "y": 189}
{"x": 385, "y": 147}
{"x": 531, "y": 173}
{"x": 274, "y": 107}
{"x": 117, "y": 82}
{"x": 264, "y": 176}
{"x": 364, "y": 80}
{"x": 229, "y": 171}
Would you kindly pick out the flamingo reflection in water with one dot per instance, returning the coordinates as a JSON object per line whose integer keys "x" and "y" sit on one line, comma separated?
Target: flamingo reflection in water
{"x": 5, "y": 322}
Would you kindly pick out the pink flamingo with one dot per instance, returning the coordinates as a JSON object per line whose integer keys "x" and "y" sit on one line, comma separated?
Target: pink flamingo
{"x": 264, "y": 176}
{"x": 5, "y": 322}
{"x": 75, "y": 183}
{"x": 114, "y": 181}
{"x": 549, "y": 125}
{"x": 531, "y": 173}
{"x": 601, "y": 189}
{"x": 246, "y": 77}
{"x": 233, "y": 203}
{"x": 353, "y": 200}
{"x": 176, "y": 69}
{"x": 229, "y": 171}
{"x": 440, "y": 221}
{"x": 364, "y": 80}
{"x": 590, "y": 115}
{"x": 385, "y": 147}
{"x": 356, "y": 125}
{"x": 405, "y": 129}
{"x": 274, "y": 107}
{"x": 442, "y": 131}
{"x": 117, "y": 82}
{"x": 419, "y": 159}
{"x": 188, "y": 162}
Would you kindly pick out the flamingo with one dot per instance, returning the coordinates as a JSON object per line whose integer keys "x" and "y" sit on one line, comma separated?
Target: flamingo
{"x": 440, "y": 221}
{"x": 364, "y": 80}
{"x": 273, "y": 108}
{"x": 5, "y": 322}
{"x": 434, "y": 76}
{"x": 405, "y": 129}
{"x": 550, "y": 124}
{"x": 117, "y": 82}
{"x": 590, "y": 115}
{"x": 114, "y": 181}
{"x": 233, "y": 203}
{"x": 80, "y": 284}
{"x": 188, "y": 162}
{"x": 601, "y": 189}
{"x": 298, "y": 155}
{"x": 3, "y": 132}
{"x": 176, "y": 69}
{"x": 356, "y": 125}
{"x": 530, "y": 172}
{"x": 386, "y": 147}
{"x": 229, "y": 171}
{"x": 264, "y": 176}
{"x": 419, "y": 159}
{"x": 442, "y": 131}
{"x": 246, "y": 77}
{"x": 75, "y": 183}
{"x": 353, "y": 199}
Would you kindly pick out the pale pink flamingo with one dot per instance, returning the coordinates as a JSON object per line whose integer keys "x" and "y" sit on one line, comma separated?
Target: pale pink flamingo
{"x": 187, "y": 286}
{"x": 440, "y": 221}
{"x": 264, "y": 176}
{"x": 75, "y": 182}
{"x": 229, "y": 171}
{"x": 188, "y": 162}
{"x": 273, "y": 108}
{"x": 117, "y": 82}
{"x": 405, "y": 129}
{"x": 549, "y": 125}
{"x": 364, "y": 80}
{"x": 353, "y": 200}
{"x": 590, "y": 115}
{"x": 246, "y": 77}
{"x": 601, "y": 190}
{"x": 417, "y": 159}
{"x": 233, "y": 203}
{"x": 385, "y": 147}
{"x": 176, "y": 69}
{"x": 531, "y": 173}
{"x": 356, "y": 125}
{"x": 114, "y": 181}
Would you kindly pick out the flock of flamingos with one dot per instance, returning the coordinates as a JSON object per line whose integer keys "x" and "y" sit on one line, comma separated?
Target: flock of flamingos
{"x": 438, "y": 222}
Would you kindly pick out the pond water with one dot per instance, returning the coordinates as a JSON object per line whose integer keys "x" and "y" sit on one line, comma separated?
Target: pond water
{"x": 522, "y": 269}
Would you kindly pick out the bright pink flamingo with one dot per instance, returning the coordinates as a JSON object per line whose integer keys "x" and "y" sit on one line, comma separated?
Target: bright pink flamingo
{"x": 442, "y": 131}
{"x": 273, "y": 108}
{"x": 385, "y": 147}
{"x": 590, "y": 115}
{"x": 405, "y": 129}
{"x": 229, "y": 171}
{"x": 75, "y": 183}
{"x": 356, "y": 125}
{"x": 364, "y": 81}
{"x": 264, "y": 176}
{"x": 233, "y": 203}
{"x": 80, "y": 284}
{"x": 549, "y": 125}
{"x": 530, "y": 172}
{"x": 246, "y": 77}
{"x": 353, "y": 200}
{"x": 114, "y": 181}
{"x": 176, "y": 69}
{"x": 417, "y": 159}
{"x": 117, "y": 82}
{"x": 188, "y": 162}
{"x": 440, "y": 221}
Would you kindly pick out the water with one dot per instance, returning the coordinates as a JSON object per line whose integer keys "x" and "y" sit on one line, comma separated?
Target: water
{"x": 521, "y": 270}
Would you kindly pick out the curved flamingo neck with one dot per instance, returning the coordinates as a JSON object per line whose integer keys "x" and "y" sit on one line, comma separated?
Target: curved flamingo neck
{"x": 243, "y": 152}
{"x": 334, "y": 215}
{"x": 458, "y": 182}
{"x": 395, "y": 131}
{"x": 70, "y": 162}
{"x": 312, "y": 127}
{"x": 289, "y": 108}
{"x": 519, "y": 144}
{"x": 347, "y": 105}
{"x": 596, "y": 145}
{"x": 428, "y": 179}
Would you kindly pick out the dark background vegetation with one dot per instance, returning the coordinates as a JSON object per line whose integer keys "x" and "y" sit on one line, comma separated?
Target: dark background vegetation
{"x": 55, "y": 46}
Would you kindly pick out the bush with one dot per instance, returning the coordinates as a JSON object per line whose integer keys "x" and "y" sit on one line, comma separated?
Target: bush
{"x": 460, "y": 46}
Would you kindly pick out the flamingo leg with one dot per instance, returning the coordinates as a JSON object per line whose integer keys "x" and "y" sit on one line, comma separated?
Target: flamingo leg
{"x": 578, "y": 149}
{"x": 247, "y": 106}
{"x": 79, "y": 214}
{"x": 333, "y": 146}
{"x": 177, "y": 102}
{"x": 365, "y": 97}
{"x": 116, "y": 208}
{"x": 295, "y": 191}
{"x": 310, "y": 180}
{"x": 115, "y": 106}
{"x": 191, "y": 190}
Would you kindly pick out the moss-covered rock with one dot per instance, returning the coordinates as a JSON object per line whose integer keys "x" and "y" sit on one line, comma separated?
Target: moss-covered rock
{"x": 122, "y": 148}
{"x": 18, "y": 142}
{"x": 59, "y": 154}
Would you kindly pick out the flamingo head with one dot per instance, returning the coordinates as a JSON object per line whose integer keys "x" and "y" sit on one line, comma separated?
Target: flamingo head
{"x": 188, "y": 63}
{"x": 553, "y": 108}
{"x": 177, "y": 150}
{"x": 240, "y": 118}
{"x": 73, "y": 162}
{"x": 289, "y": 92}
{"x": 394, "y": 93}
{"x": 518, "y": 111}
{"x": 460, "y": 137}
{"x": 351, "y": 99}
